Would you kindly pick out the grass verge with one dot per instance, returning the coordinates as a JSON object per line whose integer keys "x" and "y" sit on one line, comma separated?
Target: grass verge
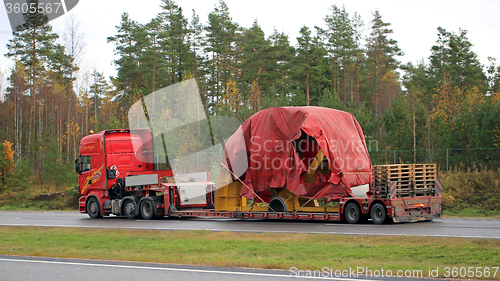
{"x": 471, "y": 213}
{"x": 258, "y": 250}
{"x": 40, "y": 198}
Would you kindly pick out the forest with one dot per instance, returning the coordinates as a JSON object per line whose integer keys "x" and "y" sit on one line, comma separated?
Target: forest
{"x": 443, "y": 110}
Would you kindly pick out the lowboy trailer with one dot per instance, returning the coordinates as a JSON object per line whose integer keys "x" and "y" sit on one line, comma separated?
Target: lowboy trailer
{"x": 116, "y": 176}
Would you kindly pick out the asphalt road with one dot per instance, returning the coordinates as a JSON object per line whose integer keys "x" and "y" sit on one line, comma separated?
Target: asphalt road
{"x": 35, "y": 268}
{"x": 467, "y": 228}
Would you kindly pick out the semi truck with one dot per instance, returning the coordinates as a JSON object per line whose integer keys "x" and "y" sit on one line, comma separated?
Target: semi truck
{"x": 324, "y": 173}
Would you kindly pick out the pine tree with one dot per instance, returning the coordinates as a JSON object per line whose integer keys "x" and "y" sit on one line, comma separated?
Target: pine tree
{"x": 493, "y": 77}
{"x": 173, "y": 39}
{"x": 453, "y": 61}
{"x": 97, "y": 94}
{"x": 357, "y": 25}
{"x": 195, "y": 41}
{"x": 34, "y": 45}
{"x": 128, "y": 56}
{"x": 151, "y": 63}
{"x": 281, "y": 56}
{"x": 308, "y": 63}
{"x": 255, "y": 64}
{"x": 381, "y": 59}
{"x": 220, "y": 47}
{"x": 341, "y": 47}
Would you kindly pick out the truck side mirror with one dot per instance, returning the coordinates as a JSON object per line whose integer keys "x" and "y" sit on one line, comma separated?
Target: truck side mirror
{"x": 110, "y": 174}
{"x": 78, "y": 169}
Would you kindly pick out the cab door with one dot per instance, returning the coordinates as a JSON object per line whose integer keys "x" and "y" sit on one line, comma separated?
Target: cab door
{"x": 91, "y": 159}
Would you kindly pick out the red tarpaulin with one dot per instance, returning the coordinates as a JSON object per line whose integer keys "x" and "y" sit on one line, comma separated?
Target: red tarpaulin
{"x": 275, "y": 147}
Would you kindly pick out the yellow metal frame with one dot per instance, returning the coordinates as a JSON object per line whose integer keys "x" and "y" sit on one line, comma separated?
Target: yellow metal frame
{"x": 228, "y": 192}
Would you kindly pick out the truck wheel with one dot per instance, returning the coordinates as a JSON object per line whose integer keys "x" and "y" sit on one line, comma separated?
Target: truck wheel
{"x": 129, "y": 209}
{"x": 147, "y": 209}
{"x": 93, "y": 208}
{"x": 352, "y": 213}
{"x": 378, "y": 213}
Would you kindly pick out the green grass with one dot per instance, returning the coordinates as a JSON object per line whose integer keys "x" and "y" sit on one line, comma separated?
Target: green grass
{"x": 258, "y": 250}
{"x": 28, "y": 199}
{"x": 471, "y": 213}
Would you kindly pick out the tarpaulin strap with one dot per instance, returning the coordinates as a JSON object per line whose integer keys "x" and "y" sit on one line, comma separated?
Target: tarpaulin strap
{"x": 312, "y": 197}
{"x": 356, "y": 173}
{"x": 225, "y": 167}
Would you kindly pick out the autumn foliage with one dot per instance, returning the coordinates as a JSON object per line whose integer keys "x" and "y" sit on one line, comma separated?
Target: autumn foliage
{"x": 6, "y": 161}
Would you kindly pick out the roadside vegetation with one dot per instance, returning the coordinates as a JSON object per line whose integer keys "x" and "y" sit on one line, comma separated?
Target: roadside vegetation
{"x": 53, "y": 189}
{"x": 257, "y": 250}
{"x": 472, "y": 193}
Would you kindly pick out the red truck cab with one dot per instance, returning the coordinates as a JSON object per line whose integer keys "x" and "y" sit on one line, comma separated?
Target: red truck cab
{"x": 114, "y": 165}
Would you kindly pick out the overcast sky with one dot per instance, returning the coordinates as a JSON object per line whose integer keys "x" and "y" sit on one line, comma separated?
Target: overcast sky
{"x": 414, "y": 22}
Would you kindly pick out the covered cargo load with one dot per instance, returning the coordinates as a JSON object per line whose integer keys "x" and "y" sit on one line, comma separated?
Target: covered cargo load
{"x": 313, "y": 152}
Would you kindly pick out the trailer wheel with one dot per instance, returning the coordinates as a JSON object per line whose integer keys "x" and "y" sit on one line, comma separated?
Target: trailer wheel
{"x": 93, "y": 208}
{"x": 147, "y": 209}
{"x": 378, "y": 213}
{"x": 352, "y": 213}
{"x": 129, "y": 209}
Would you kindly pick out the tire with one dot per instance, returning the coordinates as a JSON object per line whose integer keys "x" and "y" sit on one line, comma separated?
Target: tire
{"x": 277, "y": 204}
{"x": 129, "y": 209}
{"x": 93, "y": 208}
{"x": 352, "y": 213}
{"x": 147, "y": 209}
{"x": 378, "y": 213}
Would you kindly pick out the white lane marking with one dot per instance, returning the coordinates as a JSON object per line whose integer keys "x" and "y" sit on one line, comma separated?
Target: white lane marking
{"x": 256, "y": 231}
{"x": 179, "y": 269}
{"x": 154, "y": 221}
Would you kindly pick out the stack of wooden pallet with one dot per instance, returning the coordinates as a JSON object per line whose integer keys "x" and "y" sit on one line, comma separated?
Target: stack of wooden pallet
{"x": 412, "y": 179}
{"x": 424, "y": 176}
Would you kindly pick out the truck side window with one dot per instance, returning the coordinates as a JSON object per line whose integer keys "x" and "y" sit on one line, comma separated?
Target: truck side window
{"x": 85, "y": 164}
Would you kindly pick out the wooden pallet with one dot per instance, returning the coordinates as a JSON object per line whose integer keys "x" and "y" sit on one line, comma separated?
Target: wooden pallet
{"x": 412, "y": 179}
{"x": 417, "y": 189}
{"x": 423, "y": 185}
{"x": 392, "y": 171}
{"x": 405, "y": 195}
{"x": 425, "y": 176}
{"x": 395, "y": 167}
{"x": 427, "y": 167}
{"x": 417, "y": 194}
{"x": 425, "y": 172}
